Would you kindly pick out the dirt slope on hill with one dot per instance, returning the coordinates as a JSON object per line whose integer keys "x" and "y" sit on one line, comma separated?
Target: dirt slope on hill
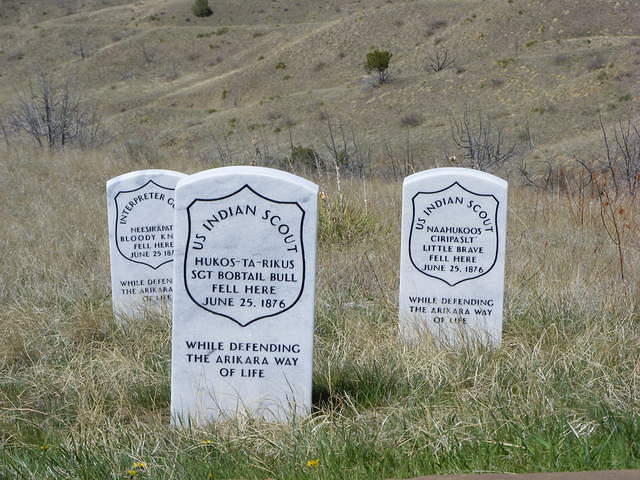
{"x": 255, "y": 70}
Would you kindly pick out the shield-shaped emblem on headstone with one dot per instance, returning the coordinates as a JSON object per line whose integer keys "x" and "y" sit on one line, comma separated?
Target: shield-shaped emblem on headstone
{"x": 244, "y": 258}
{"x": 454, "y": 234}
{"x": 144, "y": 224}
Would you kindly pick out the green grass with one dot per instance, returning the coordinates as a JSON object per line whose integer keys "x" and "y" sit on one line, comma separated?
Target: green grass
{"x": 344, "y": 449}
{"x": 82, "y": 397}
{"x": 97, "y": 400}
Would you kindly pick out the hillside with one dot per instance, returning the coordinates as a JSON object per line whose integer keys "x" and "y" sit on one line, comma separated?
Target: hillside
{"x": 254, "y": 70}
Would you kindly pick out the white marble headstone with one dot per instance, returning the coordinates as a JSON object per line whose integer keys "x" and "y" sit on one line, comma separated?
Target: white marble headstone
{"x": 452, "y": 255}
{"x": 140, "y": 209}
{"x": 243, "y": 309}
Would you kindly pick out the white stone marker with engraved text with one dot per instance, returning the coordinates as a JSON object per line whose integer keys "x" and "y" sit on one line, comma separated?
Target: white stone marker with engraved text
{"x": 140, "y": 209}
{"x": 452, "y": 258}
{"x": 243, "y": 310}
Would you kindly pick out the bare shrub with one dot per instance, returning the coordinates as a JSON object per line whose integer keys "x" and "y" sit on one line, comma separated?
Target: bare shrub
{"x": 434, "y": 26}
{"x": 16, "y": 56}
{"x": 622, "y": 157}
{"x": 273, "y": 116}
{"x": 438, "y": 24}
{"x": 483, "y": 143}
{"x": 402, "y": 163}
{"x": 412, "y": 120}
{"x": 440, "y": 60}
{"x": 561, "y": 59}
{"x": 4, "y": 132}
{"x": 56, "y": 115}
{"x": 140, "y": 152}
{"x": 346, "y": 154}
{"x": 148, "y": 54}
{"x": 80, "y": 48}
{"x": 596, "y": 63}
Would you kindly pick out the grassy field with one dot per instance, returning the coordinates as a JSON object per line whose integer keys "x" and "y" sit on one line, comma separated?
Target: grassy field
{"x": 84, "y": 398}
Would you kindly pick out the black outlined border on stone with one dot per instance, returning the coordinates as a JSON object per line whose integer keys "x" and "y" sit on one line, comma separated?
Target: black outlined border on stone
{"x": 186, "y": 253}
{"x": 413, "y": 220}
{"x": 115, "y": 198}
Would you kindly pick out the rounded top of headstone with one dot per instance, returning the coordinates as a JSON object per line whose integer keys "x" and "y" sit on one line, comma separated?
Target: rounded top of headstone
{"x": 249, "y": 171}
{"x": 146, "y": 173}
{"x": 455, "y": 171}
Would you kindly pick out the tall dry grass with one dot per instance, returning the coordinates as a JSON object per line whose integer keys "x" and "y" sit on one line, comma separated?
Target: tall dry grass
{"x": 83, "y": 397}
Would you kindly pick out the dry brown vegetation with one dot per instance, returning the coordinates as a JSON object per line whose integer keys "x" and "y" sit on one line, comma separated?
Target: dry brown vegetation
{"x": 282, "y": 84}
{"x": 168, "y": 78}
{"x": 560, "y": 393}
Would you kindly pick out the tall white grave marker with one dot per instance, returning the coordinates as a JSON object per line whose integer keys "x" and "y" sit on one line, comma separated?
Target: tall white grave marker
{"x": 452, "y": 258}
{"x": 243, "y": 309}
{"x": 140, "y": 209}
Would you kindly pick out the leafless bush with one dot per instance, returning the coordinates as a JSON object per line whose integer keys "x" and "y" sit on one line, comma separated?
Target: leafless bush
{"x": 223, "y": 149}
{"x": 4, "y": 132}
{"x": 80, "y": 48}
{"x": 56, "y": 115}
{"x": 19, "y": 55}
{"x": 272, "y": 116}
{"x": 596, "y": 63}
{"x": 148, "y": 54}
{"x": 402, "y": 163}
{"x": 561, "y": 59}
{"x": 483, "y": 143}
{"x": 616, "y": 183}
{"x": 345, "y": 151}
{"x": 440, "y": 60}
{"x": 435, "y": 26}
{"x": 412, "y": 120}
{"x": 622, "y": 157}
{"x": 141, "y": 152}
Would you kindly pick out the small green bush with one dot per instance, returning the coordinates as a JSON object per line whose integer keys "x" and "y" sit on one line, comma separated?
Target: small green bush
{"x": 378, "y": 62}
{"x": 505, "y": 62}
{"x": 201, "y": 8}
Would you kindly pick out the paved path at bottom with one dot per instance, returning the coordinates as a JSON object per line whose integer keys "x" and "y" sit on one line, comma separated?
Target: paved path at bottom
{"x": 608, "y": 475}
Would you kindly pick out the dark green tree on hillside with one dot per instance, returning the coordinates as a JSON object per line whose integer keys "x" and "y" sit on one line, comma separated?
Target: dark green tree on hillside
{"x": 378, "y": 62}
{"x": 201, "y": 8}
